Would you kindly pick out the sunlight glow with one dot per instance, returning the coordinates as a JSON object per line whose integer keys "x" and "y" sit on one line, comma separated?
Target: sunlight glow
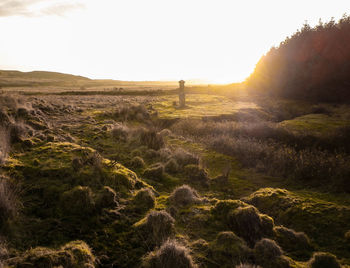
{"x": 218, "y": 41}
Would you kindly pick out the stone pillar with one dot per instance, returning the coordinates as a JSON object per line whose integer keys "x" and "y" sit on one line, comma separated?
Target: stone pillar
{"x": 182, "y": 98}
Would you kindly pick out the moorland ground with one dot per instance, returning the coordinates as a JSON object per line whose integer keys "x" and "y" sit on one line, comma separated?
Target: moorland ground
{"x": 114, "y": 180}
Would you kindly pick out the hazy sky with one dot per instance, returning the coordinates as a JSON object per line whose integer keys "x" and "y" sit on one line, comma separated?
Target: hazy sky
{"x": 216, "y": 40}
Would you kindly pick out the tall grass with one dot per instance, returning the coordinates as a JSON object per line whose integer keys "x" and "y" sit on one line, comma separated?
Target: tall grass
{"x": 271, "y": 149}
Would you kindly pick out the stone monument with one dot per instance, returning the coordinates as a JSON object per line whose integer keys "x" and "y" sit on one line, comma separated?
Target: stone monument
{"x": 182, "y": 98}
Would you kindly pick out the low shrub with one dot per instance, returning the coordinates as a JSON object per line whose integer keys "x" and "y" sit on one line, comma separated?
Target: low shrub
{"x": 247, "y": 265}
{"x": 184, "y": 195}
{"x": 324, "y": 260}
{"x": 171, "y": 255}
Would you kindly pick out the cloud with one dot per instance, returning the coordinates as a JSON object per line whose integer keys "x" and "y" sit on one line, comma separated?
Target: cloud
{"x": 33, "y": 8}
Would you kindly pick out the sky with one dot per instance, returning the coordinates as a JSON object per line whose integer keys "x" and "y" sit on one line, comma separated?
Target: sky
{"x": 218, "y": 41}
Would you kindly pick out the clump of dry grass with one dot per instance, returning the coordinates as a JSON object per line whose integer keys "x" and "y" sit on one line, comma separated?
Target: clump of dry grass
{"x": 154, "y": 172}
{"x": 324, "y": 259}
{"x": 144, "y": 200}
{"x": 4, "y": 144}
{"x": 120, "y": 132}
{"x": 184, "y": 195}
{"x": 184, "y": 158}
{"x": 171, "y": 255}
{"x": 158, "y": 227}
{"x": 9, "y": 200}
{"x": 151, "y": 139}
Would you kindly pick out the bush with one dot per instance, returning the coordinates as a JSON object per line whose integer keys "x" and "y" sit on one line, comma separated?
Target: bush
{"x": 157, "y": 227}
{"x": 144, "y": 200}
{"x": 291, "y": 241}
{"x": 184, "y": 195}
{"x": 170, "y": 255}
{"x": 268, "y": 254}
{"x": 228, "y": 248}
{"x": 78, "y": 202}
{"x": 151, "y": 139}
{"x": 154, "y": 172}
{"x": 9, "y": 202}
{"x": 324, "y": 260}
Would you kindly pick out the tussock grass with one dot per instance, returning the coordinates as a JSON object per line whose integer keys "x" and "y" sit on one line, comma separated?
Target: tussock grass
{"x": 171, "y": 255}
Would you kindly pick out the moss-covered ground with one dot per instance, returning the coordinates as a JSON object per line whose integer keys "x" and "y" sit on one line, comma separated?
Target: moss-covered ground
{"x": 79, "y": 182}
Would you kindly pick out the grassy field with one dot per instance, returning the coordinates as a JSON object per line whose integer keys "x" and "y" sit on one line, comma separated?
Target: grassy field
{"x": 98, "y": 181}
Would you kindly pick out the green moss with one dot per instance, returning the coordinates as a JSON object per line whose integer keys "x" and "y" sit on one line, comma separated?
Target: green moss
{"x": 324, "y": 222}
{"x": 199, "y": 105}
{"x": 75, "y": 254}
{"x": 78, "y": 201}
{"x": 228, "y": 249}
{"x": 314, "y": 123}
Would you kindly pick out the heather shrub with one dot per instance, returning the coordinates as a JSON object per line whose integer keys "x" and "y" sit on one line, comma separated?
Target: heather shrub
{"x": 324, "y": 260}
{"x": 171, "y": 255}
{"x": 157, "y": 227}
{"x": 184, "y": 195}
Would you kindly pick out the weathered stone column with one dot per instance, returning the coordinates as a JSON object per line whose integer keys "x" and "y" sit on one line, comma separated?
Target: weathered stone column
{"x": 182, "y": 98}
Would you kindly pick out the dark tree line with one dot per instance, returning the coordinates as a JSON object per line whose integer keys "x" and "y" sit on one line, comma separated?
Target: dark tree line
{"x": 312, "y": 64}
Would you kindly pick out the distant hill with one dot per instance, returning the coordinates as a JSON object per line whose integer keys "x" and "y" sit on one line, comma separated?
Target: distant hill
{"x": 11, "y": 78}
{"x": 313, "y": 64}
